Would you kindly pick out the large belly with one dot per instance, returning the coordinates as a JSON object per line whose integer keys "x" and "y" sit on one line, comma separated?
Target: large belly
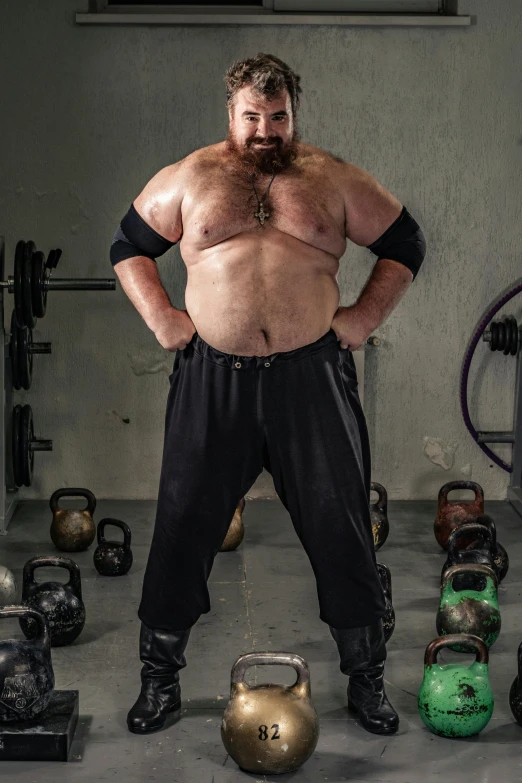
{"x": 254, "y": 301}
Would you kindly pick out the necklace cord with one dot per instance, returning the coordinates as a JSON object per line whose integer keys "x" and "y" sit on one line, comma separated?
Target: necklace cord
{"x": 260, "y": 203}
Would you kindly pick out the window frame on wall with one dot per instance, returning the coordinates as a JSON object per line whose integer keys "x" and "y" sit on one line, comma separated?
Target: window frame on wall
{"x": 412, "y": 13}
{"x": 441, "y": 7}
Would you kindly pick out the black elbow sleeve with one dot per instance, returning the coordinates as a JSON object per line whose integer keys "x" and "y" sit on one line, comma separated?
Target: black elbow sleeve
{"x": 403, "y": 241}
{"x": 134, "y": 237}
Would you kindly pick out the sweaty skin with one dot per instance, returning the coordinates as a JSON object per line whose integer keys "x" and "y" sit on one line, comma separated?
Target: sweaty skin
{"x": 252, "y": 289}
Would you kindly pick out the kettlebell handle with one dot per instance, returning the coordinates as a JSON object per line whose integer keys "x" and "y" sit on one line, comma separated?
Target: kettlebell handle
{"x": 52, "y": 560}
{"x": 382, "y": 500}
{"x": 487, "y": 522}
{"x": 43, "y": 637}
{"x": 385, "y": 577}
{"x": 244, "y": 662}
{"x": 451, "y": 485}
{"x": 469, "y": 527}
{"x": 519, "y": 658}
{"x": 464, "y": 639}
{"x": 75, "y": 492}
{"x": 468, "y": 568}
{"x": 117, "y": 523}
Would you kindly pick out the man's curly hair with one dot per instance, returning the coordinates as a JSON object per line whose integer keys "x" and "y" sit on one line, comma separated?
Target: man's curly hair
{"x": 268, "y": 75}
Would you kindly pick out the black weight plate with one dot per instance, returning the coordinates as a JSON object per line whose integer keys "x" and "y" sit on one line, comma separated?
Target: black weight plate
{"x": 13, "y": 352}
{"x": 514, "y": 335}
{"x": 18, "y": 274}
{"x": 494, "y": 336}
{"x": 27, "y": 437}
{"x": 17, "y": 446}
{"x": 27, "y": 289}
{"x": 501, "y": 336}
{"x": 25, "y": 358}
{"x": 39, "y": 291}
{"x": 507, "y": 327}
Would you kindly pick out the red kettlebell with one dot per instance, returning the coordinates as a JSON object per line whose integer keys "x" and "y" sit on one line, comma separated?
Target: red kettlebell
{"x": 452, "y": 514}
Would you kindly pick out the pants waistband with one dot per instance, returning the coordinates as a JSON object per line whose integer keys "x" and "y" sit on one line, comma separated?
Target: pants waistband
{"x": 254, "y": 362}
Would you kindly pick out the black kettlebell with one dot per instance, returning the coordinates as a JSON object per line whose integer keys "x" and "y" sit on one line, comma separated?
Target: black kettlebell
{"x": 112, "y": 558}
{"x": 26, "y": 671}
{"x": 500, "y": 556}
{"x": 481, "y": 554}
{"x": 388, "y": 621}
{"x": 61, "y": 604}
{"x": 515, "y": 692}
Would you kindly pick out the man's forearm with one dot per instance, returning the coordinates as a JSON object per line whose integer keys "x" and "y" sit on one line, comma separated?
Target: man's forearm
{"x": 141, "y": 282}
{"x": 385, "y": 288}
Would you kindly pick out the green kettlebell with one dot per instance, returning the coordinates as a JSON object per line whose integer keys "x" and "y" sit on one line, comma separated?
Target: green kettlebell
{"x": 473, "y": 612}
{"x": 456, "y": 700}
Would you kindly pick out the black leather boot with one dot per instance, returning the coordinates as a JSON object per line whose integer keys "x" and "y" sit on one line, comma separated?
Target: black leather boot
{"x": 162, "y": 656}
{"x": 363, "y": 652}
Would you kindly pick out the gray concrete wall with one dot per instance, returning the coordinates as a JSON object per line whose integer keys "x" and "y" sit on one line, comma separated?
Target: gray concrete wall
{"x": 89, "y": 114}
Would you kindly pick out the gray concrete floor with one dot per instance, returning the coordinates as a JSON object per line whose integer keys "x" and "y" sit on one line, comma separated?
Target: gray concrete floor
{"x": 263, "y": 598}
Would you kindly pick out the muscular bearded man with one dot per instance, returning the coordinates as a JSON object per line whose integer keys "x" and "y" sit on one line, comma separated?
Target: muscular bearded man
{"x": 264, "y": 374}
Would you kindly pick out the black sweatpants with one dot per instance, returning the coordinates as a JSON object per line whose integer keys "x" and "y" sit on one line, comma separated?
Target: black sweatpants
{"x": 298, "y": 414}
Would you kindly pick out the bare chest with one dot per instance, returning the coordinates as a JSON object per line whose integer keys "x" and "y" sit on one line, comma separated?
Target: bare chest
{"x": 222, "y": 205}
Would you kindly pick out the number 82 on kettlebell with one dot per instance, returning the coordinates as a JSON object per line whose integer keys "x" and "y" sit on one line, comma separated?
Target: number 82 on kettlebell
{"x": 263, "y": 732}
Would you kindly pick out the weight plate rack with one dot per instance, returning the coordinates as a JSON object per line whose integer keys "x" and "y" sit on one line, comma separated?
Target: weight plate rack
{"x": 31, "y": 282}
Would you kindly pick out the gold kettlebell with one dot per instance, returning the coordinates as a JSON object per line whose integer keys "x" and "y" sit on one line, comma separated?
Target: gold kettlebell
{"x": 379, "y": 515}
{"x": 236, "y": 531}
{"x": 72, "y": 529}
{"x": 270, "y": 729}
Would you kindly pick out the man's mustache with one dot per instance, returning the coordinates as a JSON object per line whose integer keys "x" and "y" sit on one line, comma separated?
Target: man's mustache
{"x": 264, "y": 141}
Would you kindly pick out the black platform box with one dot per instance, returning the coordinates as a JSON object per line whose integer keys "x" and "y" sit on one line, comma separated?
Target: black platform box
{"x": 46, "y": 738}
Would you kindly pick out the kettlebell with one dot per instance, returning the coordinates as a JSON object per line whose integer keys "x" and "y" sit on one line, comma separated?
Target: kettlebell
{"x": 270, "y": 729}
{"x": 500, "y": 556}
{"x": 452, "y": 514}
{"x": 236, "y": 530}
{"x": 482, "y": 554}
{"x": 379, "y": 516}
{"x": 473, "y": 612}
{"x": 515, "y": 692}
{"x": 73, "y": 529}
{"x": 112, "y": 558}
{"x": 388, "y": 621}
{"x": 60, "y": 604}
{"x": 456, "y": 700}
{"x": 7, "y": 587}
{"x": 26, "y": 671}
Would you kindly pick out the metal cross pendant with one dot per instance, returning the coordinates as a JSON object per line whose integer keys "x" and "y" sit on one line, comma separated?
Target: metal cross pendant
{"x": 261, "y": 215}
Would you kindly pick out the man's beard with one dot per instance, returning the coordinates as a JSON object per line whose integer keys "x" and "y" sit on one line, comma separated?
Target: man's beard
{"x": 258, "y": 160}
